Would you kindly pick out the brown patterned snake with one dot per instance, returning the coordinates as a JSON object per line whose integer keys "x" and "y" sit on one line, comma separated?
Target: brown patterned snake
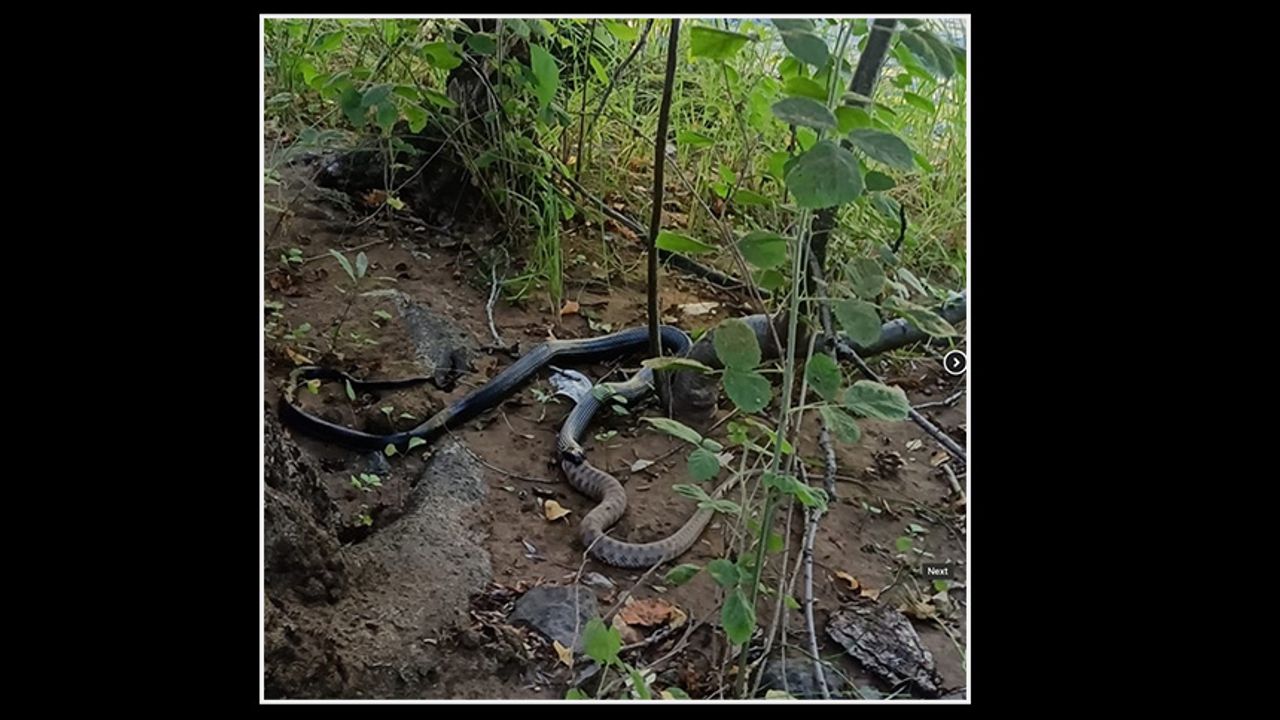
{"x": 693, "y": 395}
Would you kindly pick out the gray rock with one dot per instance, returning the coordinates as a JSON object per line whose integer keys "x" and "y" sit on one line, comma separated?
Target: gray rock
{"x": 551, "y": 610}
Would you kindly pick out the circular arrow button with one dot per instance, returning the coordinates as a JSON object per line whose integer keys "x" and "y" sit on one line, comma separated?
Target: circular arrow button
{"x": 955, "y": 362}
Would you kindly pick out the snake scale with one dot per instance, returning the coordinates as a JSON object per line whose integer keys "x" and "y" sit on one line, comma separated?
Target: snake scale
{"x": 694, "y": 394}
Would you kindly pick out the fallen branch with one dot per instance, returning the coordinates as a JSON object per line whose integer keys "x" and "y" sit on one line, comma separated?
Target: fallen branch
{"x": 811, "y": 531}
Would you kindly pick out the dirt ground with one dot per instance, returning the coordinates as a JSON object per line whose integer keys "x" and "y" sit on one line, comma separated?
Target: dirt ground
{"x": 400, "y": 590}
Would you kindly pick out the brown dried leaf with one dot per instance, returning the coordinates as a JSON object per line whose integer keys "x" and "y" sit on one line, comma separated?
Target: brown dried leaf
{"x": 296, "y": 357}
{"x": 919, "y": 610}
{"x": 938, "y": 459}
{"x": 629, "y": 634}
{"x": 571, "y": 307}
{"x": 698, "y": 308}
{"x": 853, "y": 582}
{"x": 564, "y": 653}
{"x": 553, "y": 510}
{"x": 870, "y": 594}
{"x": 649, "y": 612}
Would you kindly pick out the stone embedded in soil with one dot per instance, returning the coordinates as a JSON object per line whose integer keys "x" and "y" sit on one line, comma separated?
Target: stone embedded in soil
{"x": 549, "y": 609}
{"x": 800, "y": 679}
{"x": 439, "y": 343}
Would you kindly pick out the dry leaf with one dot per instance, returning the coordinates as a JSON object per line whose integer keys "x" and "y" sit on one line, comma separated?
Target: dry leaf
{"x": 639, "y": 465}
{"x": 374, "y": 198}
{"x": 553, "y": 510}
{"x": 698, "y": 308}
{"x": 629, "y": 635}
{"x": 915, "y": 444}
{"x": 678, "y": 618}
{"x": 571, "y": 307}
{"x": 297, "y": 358}
{"x": 649, "y": 612}
{"x": 853, "y": 582}
{"x": 564, "y": 653}
{"x": 964, "y": 427}
{"x": 938, "y": 459}
{"x": 919, "y": 610}
{"x": 870, "y": 594}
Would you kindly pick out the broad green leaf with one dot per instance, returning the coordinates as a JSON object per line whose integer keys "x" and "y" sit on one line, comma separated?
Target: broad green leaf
{"x": 903, "y": 544}
{"x": 715, "y": 44}
{"x": 621, "y": 30}
{"x": 841, "y": 425}
{"x": 807, "y": 47}
{"x": 482, "y": 44}
{"x": 866, "y": 278}
{"x": 859, "y": 27}
{"x": 416, "y": 116}
{"x": 792, "y": 24}
{"x": 884, "y": 147}
{"x": 924, "y": 163}
{"x": 375, "y": 95}
{"x": 639, "y": 685}
{"x": 918, "y": 47}
{"x": 770, "y": 279}
{"x": 350, "y": 101}
{"x": 875, "y": 400}
{"x": 415, "y": 442}
{"x": 859, "y": 319}
{"x": 825, "y": 176}
{"x": 407, "y": 92}
{"x": 546, "y": 74}
{"x": 362, "y": 264}
{"x": 738, "y": 618}
{"x": 749, "y": 390}
{"x": 921, "y": 317}
{"x": 736, "y": 345}
{"x": 693, "y": 492}
{"x": 912, "y": 281}
{"x": 942, "y": 55}
{"x": 440, "y": 99}
{"x": 328, "y": 42}
{"x": 712, "y": 445}
{"x": 308, "y": 71}
{"x": 675, "y": 428}
{"x": 601, "y": 75}
{"x": 824, "y": 376}
{"x": 390, "y": 449}
{"x": 690, "y": 138}
{"x": 778, "y": 481}
{"x": 671, "y": 362}
{"x": 703, "y": 465}
{"x": 441, "y": 55}
{"x": 809, "y": 496}
{"x": 849, "y": 119}
{"x": 878, "y": 181}
{"x": 777, "y": 164}
{"x": 387, "y": 116}
{"x": 576, "y": 694}
{"x": 763, "y": 249}
{"x": 804, "y": 87}
{"x": 744, "y": 198}
{"x": 804, "y": 111}
{"x": 774, "y": 543}
{"x": 681, "y": 574}
{"x": 675, "y": 693}
{"x": 791, "y": 602}
{"x": 773, "y": 436}
{"x": 723, "y": 572}
{"x": 675, "y": 242}
{"x": 601, "y": 643}
{"x": 918, "y": 102}
{"x": 344, "y": 262}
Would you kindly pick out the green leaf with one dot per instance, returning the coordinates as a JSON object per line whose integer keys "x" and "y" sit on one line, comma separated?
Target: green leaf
{"x": 941, "y": 585}
{"x": 621, "y": 30}
{"x": 738, "y": 618}
{"x": 773, "y": 436}
{"x": 763, "y": 249}
{"x": 912, "y": 281}
{"x": 793, "y": 25}
{"x": 744, "y": 198}
{"x": 576, "y": 694}
{"x": 308, "y": 71}
{"x": 375, "y": 95}
{"x": 774, "y": 543}
{"x": 675, "y": 428}
{"x": 849, "y": 119}
{"x": 415, "y": 442}
{"x": 387, "y": 116}
{"x": 440, "y": 99}
{"x": 884, "y": 147}
{"x": 441, "y": 55}
{"x": 703, "y": 465}
{"x": 791, "y": 602}
{"x": 749, "y": 390}
{"x": 715, "y": 44}
{"x": 859, "y": 319}
{"x": 362, "y": 264}
{"x": 804, "y": 111}
{"x": 723, "y": 572}
{"x": 777, "y": 164}
{"x": 736, "y": 345}
{"x": 918, "y": 47}
{"x": 601, "y": 75}
{"x": 712, "y": 445}
{"x": 546, "y": 74}
{"x": 693, "y": 492}
{"x": 807, "y": 47}
{"x": 346, "y": 264}
{"x": 875, "y": 400}
{"x": 824, "y": 376}
{"x": 879, "y": 182}
{"x": 328, "y": 42}
{"x": 482, "y": 43}
{"x": 825, "y": 176}
{"x": 770, "y": 279}
{"x": 692, "y": 139}
{"x": 805, "y": 87}
{"x": 601, "y": 643}
{"x": 866, "y": 277}
{"x": 676, "y": 242}
{"x": 350, "y": 101}
{"x": 943, "y": 58}
{"x": 671, "y": 362}
{"x": 842, "y": 426}
{"x": 639, "y": 685}
{"x": 416, "y": 116}
{"x": 677, "y": 693}
{"x": 390, "y": 449}
{"x": 919, "y": 102}
{"x": 681, "y": 574}
{"x": 903, "y": 544}
{"x": 921, "y": 317}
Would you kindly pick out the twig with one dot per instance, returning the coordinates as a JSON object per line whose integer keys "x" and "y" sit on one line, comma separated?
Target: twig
{"x": 488, "y": 308}
{"x": 618, "y": 605}
{"x": 497, "y": 469}
{"x": 350, "y": 250}
{"x": 811, "y": 531}
{"x": 617, "y": 73}
{"x": 655, "y": 222}
{"x": 955, "y": 483}
{"x": 939, "y": 403}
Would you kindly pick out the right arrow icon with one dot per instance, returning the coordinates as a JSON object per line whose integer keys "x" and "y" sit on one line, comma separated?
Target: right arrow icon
{"x": 955, "y": 362}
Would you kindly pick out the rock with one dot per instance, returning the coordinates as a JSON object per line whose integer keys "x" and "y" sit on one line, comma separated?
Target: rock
{"x": 550, "y": 609}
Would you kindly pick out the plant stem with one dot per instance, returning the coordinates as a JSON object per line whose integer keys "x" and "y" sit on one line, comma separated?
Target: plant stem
{"x": 659, "y": 154}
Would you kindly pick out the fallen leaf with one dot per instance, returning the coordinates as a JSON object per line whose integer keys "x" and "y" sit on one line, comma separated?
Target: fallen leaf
{"x": 964, "y": 427}
{"x": 564, "y": 653}
{"x": 919, "y": 610}
{"x": 938, "y": 459}
{"x": 915, "y": 444}
{"x": 625, "y": 232}
{"x": 650, "y": 612}
{"x": 678, "y": 618}
{"x": 639, "y": 465}
{"x": 571, "y": 307}
{"x": 698, "y": 308}
{"x": 629, "y": 635}
{"x": 553, "y": 510}
{"x": 853, "y": 582}
{"x": 870, "y": 594}
{"x": 296, "y": 357}
{"x": 374, "y": 198}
